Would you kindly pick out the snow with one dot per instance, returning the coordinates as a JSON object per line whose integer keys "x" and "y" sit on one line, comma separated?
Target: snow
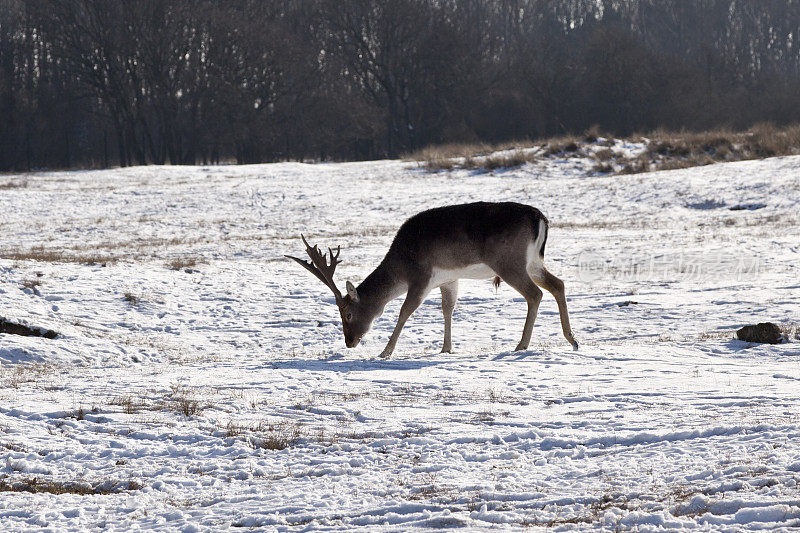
{"x": 169, "y": 390}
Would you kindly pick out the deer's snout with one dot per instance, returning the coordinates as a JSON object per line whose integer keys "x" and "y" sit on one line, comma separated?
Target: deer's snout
{"x": 351, "y": 343}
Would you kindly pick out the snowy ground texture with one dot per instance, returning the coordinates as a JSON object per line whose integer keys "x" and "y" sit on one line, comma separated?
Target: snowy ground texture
{"x": 200, "y": 380}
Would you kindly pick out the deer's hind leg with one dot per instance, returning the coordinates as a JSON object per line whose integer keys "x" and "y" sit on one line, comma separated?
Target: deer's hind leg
{"x": 449, "y": 297}
{"x": 519, "y": 279}
{"x": 555, "y": 286}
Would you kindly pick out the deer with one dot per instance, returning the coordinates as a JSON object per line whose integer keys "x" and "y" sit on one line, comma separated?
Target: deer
{"x": 503, "y": 241}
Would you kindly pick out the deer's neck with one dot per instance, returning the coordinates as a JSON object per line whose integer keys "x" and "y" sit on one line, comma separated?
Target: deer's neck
{"x": 380, "y": 287}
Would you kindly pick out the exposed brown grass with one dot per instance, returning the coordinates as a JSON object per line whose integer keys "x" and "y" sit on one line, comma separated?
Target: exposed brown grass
{"x": 181, "y": 263}
{"x": 592, "y": 134}
{"x": 16, "y": 375}
{"x": 505, "y": 160}
{"x": 436, "y": 164}
{"x": 563, "y": 145}
{"x": 232, "y": 429}
{"x": 666, "y": 150}
{"x": 131, "y": 298}
{"x": 673, "y": 150}
{"x": 183, "y": 401}
{"x": 277, "y": 436}
{"x": 268, "y": 435}
{"x": 129, "y": 404}
{"x": 636, "y": 165}
{"x": 604, "y": 155}
{"x": 53, "y": 256}
{"x": 188, "y": 406}
{"x": 484, "y": 156}
{"x": 14, "y": 184}
{"x": 478, "y": 156}
{"x": 449, "y": 151}
{"x": 602, "y": 168}
{"x": 31, "y": 283}
{"x": 676, "y": 164}
{"x": 791, "y": 331}
{"x": 103, "y": 253}
{"x": 36, "y": 486}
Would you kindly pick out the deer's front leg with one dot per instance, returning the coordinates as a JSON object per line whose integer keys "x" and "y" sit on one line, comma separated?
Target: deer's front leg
{"x": 449, "y": 297}
{"x": 413, "y": 300}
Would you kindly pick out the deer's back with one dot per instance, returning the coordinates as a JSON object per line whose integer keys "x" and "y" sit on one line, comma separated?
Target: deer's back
{"x": 458, "y": 236}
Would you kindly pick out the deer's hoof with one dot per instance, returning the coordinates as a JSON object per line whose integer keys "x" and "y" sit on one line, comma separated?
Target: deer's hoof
{"x": 575, "y": 345}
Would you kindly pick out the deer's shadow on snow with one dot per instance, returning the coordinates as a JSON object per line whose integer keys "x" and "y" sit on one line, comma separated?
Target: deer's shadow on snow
{"x": 338, "y": 363}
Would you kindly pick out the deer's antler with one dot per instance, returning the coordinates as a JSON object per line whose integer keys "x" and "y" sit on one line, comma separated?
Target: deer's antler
{"x": 320, "y": 267}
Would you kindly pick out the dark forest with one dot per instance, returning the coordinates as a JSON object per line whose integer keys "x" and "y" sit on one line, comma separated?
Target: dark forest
{"x": 97, "y": 83}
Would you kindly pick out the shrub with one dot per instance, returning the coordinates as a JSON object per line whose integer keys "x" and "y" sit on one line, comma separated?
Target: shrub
{"x": 180, "y": 263}
{"x": 603, "y": 168}
{"x": 604, "y": 155}
{"x": 507, "y": 160}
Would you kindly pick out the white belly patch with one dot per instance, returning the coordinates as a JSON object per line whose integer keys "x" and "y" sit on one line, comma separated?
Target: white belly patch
{"x": 477, "y": 271}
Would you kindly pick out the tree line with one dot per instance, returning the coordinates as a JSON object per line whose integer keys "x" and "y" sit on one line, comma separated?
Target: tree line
{"x": 96, "y": 83}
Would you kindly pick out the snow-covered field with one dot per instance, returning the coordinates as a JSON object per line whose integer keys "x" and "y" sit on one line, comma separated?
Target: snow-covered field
{"x": 200, "y": 380}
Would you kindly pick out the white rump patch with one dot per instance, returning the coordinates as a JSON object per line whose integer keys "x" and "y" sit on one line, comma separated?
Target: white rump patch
{"x": 533, "y": 259}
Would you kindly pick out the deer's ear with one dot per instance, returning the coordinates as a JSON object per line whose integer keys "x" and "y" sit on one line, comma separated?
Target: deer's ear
{"x": 351, "y": 290}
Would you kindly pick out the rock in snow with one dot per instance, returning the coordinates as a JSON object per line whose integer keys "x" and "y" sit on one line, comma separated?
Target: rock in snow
{"x": 764, "y": 332}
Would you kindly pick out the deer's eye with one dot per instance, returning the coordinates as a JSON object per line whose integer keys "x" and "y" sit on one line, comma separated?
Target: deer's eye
{"x": 349, "y": 316}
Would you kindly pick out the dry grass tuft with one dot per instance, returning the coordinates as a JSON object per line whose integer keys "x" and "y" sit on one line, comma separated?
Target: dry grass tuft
{"x": 277, "y": 436}
{"x": 52, "y": 256}
{"x": 767, "y": 140}
{"x": 184, "y": 402}
{"x": 188, "y": 406}
{"x": 37, "y": 486}
{"x": 506, "y": 160}
{"x": 605, "y": 154}
{"x": 593, "y": 134}
{"x": 181, "y": 263}
{"x": 21, "y": 373}
{"x": 476, "y": 156}
{"x": 129, "y": 404}
{"x": 267, "y": 435}
{"x": 131, "y": 298}
{"x": 14, "y": 184}
{"x": 14, "y": 447}
{"x": 449, "y": 151}
{"x": 791, "y": 331}
{"x": 104, "y": 253}
{"x": 232, "y": 429}
{"x": 31, "y": 283}
{"x": 565, "y": 145}
{"x": 437, "y": 164}
{"x": 636, "y": 165}
{"x": 602, "y": 168}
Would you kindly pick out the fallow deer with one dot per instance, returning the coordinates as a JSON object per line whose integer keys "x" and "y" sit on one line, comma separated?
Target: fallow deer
{"x": 436, "y": 248}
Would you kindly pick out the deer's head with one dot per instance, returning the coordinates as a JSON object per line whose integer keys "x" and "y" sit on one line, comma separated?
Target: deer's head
{"x": 355, "y": 320}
